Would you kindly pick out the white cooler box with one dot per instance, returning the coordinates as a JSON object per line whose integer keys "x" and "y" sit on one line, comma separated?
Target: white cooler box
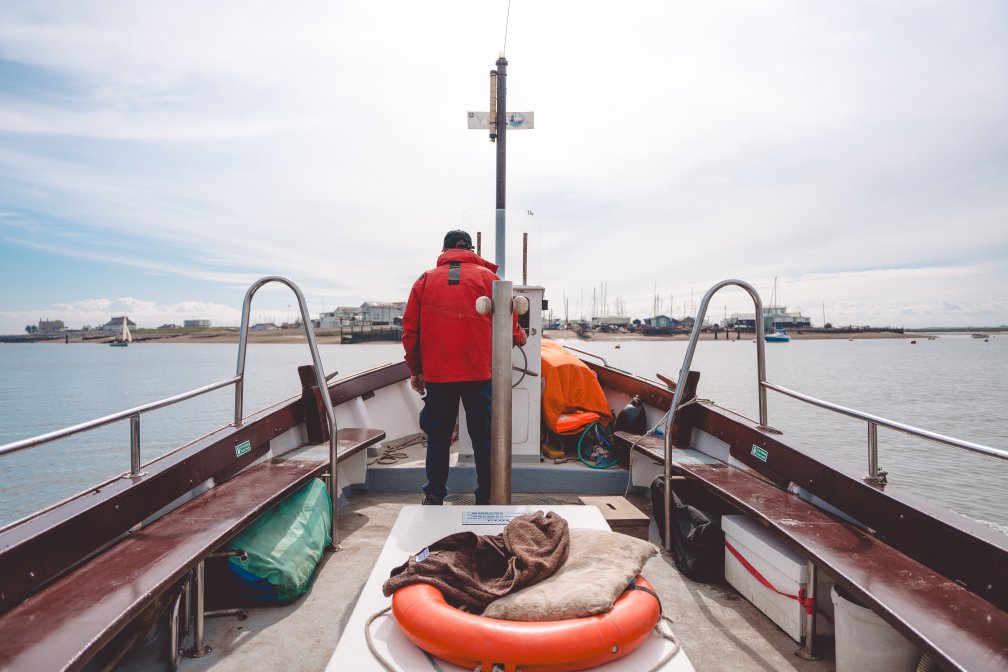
{"x": 784, "y": 569}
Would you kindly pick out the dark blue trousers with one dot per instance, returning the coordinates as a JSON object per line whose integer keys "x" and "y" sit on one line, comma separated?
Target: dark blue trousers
{"x": 437, "y": 420}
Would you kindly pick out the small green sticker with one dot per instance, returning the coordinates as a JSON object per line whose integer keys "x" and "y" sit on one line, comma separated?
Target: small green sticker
{"x": 246, "y": 446}
{"x": 759, "y": 453}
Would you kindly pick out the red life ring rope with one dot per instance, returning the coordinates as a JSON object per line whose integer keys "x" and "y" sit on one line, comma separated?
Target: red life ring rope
{"x": 533, "y": 646}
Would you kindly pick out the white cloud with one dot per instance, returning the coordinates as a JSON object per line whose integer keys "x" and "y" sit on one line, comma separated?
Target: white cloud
{"x": 676, "y": 145}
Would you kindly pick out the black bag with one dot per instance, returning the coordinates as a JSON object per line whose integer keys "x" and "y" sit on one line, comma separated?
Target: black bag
{"x": 632, "y": 418}
{"x": 697, "y": 539}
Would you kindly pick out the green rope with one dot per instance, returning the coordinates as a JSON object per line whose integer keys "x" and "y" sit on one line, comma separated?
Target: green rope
{"x": 600, "y": 432}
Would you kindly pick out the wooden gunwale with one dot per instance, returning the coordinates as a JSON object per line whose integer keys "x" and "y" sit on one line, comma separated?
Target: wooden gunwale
{"x": 939, "y": 578}
{"x": 38, "y": 549}
{"x": 961, "y": 549}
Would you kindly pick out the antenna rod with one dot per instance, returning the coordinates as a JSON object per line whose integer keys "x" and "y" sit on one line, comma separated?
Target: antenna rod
{"x": 499, "y": 238}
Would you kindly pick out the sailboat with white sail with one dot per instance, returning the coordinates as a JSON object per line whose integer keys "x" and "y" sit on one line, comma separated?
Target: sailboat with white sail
{"x": 125, "y": 337}
{"x": 770, "y": 319}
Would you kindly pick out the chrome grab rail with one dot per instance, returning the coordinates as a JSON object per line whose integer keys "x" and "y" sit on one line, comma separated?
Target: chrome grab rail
{"x": 875, "y": 421}
{"x": 684, "y": 372}
{"x": 590, "y": 354}
{"x": 320, "y": 378}
{"x": 133, "y": 414}
{"x": 238, "y": 381}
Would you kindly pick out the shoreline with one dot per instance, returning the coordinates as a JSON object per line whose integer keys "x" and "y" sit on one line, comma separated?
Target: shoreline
{"x": 566, "y": 334}
{"x": 330, "y": 336}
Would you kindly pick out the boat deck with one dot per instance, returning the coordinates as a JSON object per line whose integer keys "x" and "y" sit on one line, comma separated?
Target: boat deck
{"x": 717, "y": 628}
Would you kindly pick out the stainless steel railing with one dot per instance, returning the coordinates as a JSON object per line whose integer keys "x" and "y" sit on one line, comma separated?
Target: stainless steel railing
{"x": 684, "y": 372}
{"x": 237, "y": 380}
{"x": 133, "y": 414}
{"x": 875, "y": 475}
{"x": 590, "y": 354}
{"x": 320, "y": 379}
{"x": 875, "y": 421}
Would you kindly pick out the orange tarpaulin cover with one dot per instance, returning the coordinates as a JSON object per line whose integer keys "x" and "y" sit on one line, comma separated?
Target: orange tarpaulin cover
{"x": 569, "y": 389}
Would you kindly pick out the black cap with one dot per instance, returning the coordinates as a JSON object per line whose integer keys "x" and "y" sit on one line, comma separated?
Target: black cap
{"x": 457, "y": 239}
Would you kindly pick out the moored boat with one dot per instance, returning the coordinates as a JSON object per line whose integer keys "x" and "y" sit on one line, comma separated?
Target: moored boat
{"x": 779, "y": 336}
{"x": 124, "y": 338}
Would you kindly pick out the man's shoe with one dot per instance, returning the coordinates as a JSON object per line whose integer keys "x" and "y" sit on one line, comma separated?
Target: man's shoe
{"x": 483, "y": 502}
{"x": 430, "y": 499}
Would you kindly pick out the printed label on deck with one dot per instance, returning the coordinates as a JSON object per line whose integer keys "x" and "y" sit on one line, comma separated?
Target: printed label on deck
{"x": 488, "y": 517}
{"x": 242, "y": 448}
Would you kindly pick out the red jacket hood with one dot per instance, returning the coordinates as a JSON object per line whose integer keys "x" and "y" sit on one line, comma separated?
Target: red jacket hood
{"x": 467, "y": 256}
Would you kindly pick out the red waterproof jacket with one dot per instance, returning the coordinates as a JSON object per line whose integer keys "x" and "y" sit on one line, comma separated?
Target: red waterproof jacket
{"x": 445, "y": 339}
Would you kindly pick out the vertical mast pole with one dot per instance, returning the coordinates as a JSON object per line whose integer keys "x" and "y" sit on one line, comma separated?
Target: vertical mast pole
{"x": 501, "y": 161}
{"x": 500, "y": 395}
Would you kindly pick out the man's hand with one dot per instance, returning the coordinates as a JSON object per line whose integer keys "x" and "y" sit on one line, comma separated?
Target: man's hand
{"x": 416, "y": 382}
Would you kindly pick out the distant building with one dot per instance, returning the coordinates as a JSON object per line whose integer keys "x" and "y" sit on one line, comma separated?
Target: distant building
{"x": 51, "y": 327}
{"x": 774, "y": 317}
{"x": 196, "y": 324}
{"x": 115, "y": 324}
{"x": 611, "y": 321}
{"x": 661, "y": 322}
{"x": 264, "y": 326}
{"x": 660, "y": 325}
{"x": 341, "y": 317}
{"x": 378, "y": 313}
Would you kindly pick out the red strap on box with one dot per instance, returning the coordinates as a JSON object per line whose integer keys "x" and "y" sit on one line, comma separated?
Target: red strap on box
{"x": 807, "y": 602}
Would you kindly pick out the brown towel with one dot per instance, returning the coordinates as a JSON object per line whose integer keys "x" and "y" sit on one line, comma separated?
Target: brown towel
{"x": 475, "y": 570}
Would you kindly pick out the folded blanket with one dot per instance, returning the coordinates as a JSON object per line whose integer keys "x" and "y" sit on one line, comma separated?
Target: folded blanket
{"x": 475, "y": 570}
{"x": 599, "y": 567}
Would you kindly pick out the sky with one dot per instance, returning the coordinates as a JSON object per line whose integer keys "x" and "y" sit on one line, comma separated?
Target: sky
{"x": 156, "y": 158}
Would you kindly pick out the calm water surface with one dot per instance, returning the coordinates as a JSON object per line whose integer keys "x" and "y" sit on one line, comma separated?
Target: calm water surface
{"x": 953, "y": 385}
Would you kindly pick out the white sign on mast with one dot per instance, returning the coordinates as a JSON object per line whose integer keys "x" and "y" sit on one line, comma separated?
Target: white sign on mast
{"x": 516, "y": 121}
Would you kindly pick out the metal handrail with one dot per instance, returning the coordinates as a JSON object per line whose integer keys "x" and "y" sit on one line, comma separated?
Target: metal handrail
{"x": 320, "y": 379}
{"x": 874, "y": 421}
{"x": 590, "y": 354}
{"x": 115, "y": 417}
{"x": 237, "y": 380}
{"x": 684, "y": 372}
{"x": 878, "y": 421}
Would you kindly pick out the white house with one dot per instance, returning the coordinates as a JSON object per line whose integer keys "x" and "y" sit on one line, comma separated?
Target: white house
{"x": 115, "y": 324}
{"x": 51, "y": 327}
{"x": 341, "y": 317}
{"x": 774, "y": 317}
{"x": 373, "y": 312}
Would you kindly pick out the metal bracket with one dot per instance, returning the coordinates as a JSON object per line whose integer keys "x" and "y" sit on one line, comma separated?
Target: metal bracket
{"x": 881, "y": 479}
{"x": 767, "y": 429}
{"x": 805, "y": 655}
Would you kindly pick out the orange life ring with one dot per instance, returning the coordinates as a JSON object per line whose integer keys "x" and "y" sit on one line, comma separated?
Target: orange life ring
{"x": 540, "y": 646}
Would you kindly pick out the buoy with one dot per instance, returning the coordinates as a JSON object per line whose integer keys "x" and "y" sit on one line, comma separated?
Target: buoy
{"x": 533, "y": 646}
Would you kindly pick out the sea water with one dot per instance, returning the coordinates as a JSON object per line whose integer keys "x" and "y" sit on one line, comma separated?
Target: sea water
{"x": 953, "y": 385}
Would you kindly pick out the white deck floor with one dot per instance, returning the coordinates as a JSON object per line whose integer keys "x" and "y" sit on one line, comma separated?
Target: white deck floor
{"x": 717, "y": 628}
{"x": 418, "y": 526}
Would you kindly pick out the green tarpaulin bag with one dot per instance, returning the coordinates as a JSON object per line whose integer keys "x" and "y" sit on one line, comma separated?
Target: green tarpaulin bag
{"x": 284, "y": 546}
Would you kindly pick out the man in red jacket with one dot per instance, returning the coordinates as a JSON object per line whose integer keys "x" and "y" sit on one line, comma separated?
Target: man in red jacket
{"x": 448, "y": 352}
